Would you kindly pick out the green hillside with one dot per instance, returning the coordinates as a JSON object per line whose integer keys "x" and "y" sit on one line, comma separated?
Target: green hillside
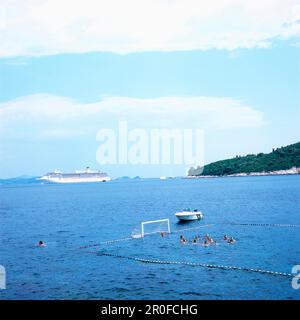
{"x": 279, "y": 159}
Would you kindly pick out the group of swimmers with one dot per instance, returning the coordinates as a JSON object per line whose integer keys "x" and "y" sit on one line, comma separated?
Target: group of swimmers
{"x": 228, "y": 239}
{"x": 207, "y": 240}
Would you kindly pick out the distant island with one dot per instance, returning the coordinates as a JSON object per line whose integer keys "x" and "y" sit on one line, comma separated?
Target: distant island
{"x": 284, "y": 160}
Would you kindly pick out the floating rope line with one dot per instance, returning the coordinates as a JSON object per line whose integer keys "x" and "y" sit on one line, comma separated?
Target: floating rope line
{"x": 105, "y": 242}
{"x": 193, "y": 228}
{"x": 193, "y": 264}
{"x": 264, "y": 224}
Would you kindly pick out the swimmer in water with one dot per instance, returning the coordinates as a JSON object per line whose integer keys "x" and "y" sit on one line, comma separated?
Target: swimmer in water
{"x": 41, "y": 244}
{"x": 214, "y": 242}
{"x": 209, "y": 239}
{"x": 231, "y": 240}
{"x": 183, "y": 240}
{"x": 205, "y": 243}
{"x": 196, "y": 239}
{"x": 226, "y": 238}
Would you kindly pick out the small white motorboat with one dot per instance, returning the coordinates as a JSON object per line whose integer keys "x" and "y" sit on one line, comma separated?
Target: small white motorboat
{"x": 189, "y": 215}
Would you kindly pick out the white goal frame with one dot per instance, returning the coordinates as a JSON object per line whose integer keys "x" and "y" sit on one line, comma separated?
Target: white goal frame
{"x": 154, "y": 221}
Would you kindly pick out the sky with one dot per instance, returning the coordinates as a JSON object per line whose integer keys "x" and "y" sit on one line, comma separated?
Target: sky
{"x": 71, "y": 68}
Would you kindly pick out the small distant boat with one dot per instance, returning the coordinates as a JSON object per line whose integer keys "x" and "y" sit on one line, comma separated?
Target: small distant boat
{"x": 189, "y": 215}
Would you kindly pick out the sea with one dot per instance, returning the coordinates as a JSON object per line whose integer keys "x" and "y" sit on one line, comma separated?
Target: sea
{"x": 79, "y": 221}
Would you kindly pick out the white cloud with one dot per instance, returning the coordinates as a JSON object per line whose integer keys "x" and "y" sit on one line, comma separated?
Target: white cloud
{"x": 45, "y": 27}
{"x": 45, "y": 116}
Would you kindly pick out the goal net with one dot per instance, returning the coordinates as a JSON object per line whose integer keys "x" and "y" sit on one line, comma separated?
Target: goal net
{"x": 151, "y": 227}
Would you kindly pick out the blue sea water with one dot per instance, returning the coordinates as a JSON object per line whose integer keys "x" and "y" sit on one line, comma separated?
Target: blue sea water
{"x": 68, "y": 216}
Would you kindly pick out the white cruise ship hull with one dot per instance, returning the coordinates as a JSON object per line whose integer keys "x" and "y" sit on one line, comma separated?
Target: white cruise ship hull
{"x": 76, "y": 180}
{"x": 76, "y": 177}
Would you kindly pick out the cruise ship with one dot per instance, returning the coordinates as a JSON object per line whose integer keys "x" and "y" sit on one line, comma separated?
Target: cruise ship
{"x": 86, "y": 175}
